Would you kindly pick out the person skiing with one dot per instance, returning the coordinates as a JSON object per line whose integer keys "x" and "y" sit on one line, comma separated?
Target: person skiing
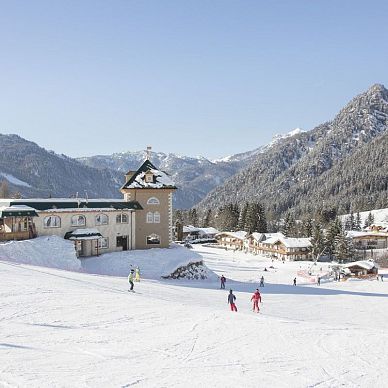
{"x": 256, "y": 298}
{"x": 137, "y": 274}
{"x": 319, "y": 280}
{"x": 223, "y": 280}
{"x": 262, "y": 281}
{"x": 231, "y": 300}
{"x": 130, "y": 279}
{"x": 294, "y": 281}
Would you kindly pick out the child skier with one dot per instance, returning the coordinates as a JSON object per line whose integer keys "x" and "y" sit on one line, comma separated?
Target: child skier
{"x": 137, "y": 274}
{"x": 130, "y": 279}
{"x": 231, "y": 299}
{"x": 256, "y": 298}
{"x": 223, "y": 280}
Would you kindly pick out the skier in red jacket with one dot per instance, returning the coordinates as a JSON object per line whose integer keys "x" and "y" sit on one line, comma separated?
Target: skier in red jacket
{"x": 256, "y": 298}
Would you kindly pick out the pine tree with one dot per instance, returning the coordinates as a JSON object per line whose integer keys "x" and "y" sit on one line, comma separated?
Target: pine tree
{"x": 251, "y": 218}
{"x": 208, "y": 219}
{"x": 333, "y": 231}
{"x": 289, "y": 225}
{"x": 193, "y": 217}
{"x": 357, "y": 222}
{"x": 307, "y": 227}
{"x": 317, "y": 239}
{"x": 261, "y": 226}
{"x": 370, "y": 220}
{"x": 342, "y": 247}
{"x": 242, "y": 217}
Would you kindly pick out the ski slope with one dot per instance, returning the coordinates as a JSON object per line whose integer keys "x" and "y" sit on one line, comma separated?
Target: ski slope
{"x": 70, "y": 329}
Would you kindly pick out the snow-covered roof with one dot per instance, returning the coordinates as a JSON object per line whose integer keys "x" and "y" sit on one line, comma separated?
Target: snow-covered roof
{"x": 241, "y": 234}
{"x": 193, "y": 229}
{"x": 289, "y": 242}
{"x": 366, "y": 264}
{"x": 17, "y": 210}
{"x": 355, "y": 234}
{"x": 209, "y": 230}
{"x": 258, "y": 236}
{"x": 160, "y": 179}
{"x": 83, "y": 234}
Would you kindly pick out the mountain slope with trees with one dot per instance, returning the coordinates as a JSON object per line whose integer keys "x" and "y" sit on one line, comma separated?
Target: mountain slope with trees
{"x": 341, "y": 164}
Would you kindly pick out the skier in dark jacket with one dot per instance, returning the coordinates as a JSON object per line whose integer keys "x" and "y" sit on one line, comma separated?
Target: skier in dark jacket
{"x": 294, "y": 281}
{"x": 231, "y": 299}
{"x": 223, "y": 280}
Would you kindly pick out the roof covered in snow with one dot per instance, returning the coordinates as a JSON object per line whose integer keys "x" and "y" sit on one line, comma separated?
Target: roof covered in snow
{"x": 366, "y": 264}
{"x": 41, "y": 204}
{"x": 194, "y": 229}
{"x": 240, "y": 235}
{"x": 160, "y": 180}
{"x": 289, "y": 242}
{"x": 83, "y": 234}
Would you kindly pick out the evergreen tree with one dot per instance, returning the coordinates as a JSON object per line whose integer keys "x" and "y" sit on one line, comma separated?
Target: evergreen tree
{"x": 208, "y": 219}
{"x": 370, "y": 220}
{"x": 357, "y": 222}
{"x": 289, "y": 225}
{"x": 251, "y": 218}
{"x": 242, "y": 217}
{"x": 334, "y": 229}
{"x": 342, "y": 247}
{"x": 317, "y": 239}
{"x": 307, "y": 227}
{"x": 261, "y": 226}
{"x": 193, "y": 217}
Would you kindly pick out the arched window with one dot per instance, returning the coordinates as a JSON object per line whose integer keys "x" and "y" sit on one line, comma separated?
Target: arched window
{"x": 52, "y": 222}
{"x": 102, "y": 219}
{"x": 150, "y": 218}
{"x": 153, "y": 239}
{"x": 153, "y": 201}
{"x": 122, "y": 218}
{"x": 156, "y": 217}
{"x": 78, "y": 220}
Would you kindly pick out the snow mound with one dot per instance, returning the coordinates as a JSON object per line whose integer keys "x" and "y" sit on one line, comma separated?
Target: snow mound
{"x": 153, "y": 263}
{"x": 52, "y": 251}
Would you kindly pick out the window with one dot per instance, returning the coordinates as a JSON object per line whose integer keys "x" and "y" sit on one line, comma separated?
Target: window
{"x": 153, "y": 239}
{"x": 52, "y": 222}
{"x": 103, "y": 243}
{"x": 153, "y": 218}
{"x": 153, "y": 201}
{"x": 102, "y": 219}
{"x": 78, "y": 220}
{"x": 149, "y": 178}
{"x": 122, "y": 218}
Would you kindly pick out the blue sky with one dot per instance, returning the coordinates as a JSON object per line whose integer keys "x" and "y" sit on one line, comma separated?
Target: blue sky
{"x": 197, "y": 77}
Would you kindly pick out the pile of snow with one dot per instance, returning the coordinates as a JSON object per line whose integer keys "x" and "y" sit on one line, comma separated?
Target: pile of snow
{"x": 52, "y": 251}
{"x": 153, "y": 263}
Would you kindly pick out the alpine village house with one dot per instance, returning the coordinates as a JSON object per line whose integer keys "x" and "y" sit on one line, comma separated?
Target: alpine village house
{"x": 143, "y": 219}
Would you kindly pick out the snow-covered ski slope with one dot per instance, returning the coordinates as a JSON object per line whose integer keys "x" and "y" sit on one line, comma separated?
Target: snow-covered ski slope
{"x": 71, "y": 329}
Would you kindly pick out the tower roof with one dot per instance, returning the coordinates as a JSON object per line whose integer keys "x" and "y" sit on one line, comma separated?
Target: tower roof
{"x": 160, "y": 180}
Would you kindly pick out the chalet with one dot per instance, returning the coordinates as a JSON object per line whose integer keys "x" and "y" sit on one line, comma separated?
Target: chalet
{"x": 369, "y": 239}
{"x": 286, "y": 248}
{"x": 232, "y": 240}
{"x": 193, "y": 233}
{"x": 362, "y": 268}
{"x": 143, "y": 219}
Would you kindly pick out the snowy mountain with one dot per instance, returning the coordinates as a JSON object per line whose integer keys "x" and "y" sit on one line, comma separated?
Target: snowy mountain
{"x": 194, "y": 176}
{"x": 33, "y": 171}
{"x": 341, "y": 163}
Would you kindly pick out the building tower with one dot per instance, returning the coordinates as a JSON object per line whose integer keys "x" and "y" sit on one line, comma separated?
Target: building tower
{"x": 153, "y": 189}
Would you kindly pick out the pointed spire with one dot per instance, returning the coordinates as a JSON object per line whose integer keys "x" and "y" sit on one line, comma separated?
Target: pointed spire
{"x": 148, "y": 153}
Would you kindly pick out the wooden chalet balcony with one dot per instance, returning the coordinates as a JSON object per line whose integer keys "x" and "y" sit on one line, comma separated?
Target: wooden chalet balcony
{"x": 9, "y": 236}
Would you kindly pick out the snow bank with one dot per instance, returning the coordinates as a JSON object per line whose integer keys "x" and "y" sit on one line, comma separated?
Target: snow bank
{"x": 153, "y": 263}
{"x": 52, "y": 251}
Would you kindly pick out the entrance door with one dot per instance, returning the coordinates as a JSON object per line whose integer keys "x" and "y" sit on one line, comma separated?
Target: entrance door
{"x": 122, "y": 241}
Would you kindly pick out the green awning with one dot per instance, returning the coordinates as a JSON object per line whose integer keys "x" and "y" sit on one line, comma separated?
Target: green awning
{"x": 12, "y": 211}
